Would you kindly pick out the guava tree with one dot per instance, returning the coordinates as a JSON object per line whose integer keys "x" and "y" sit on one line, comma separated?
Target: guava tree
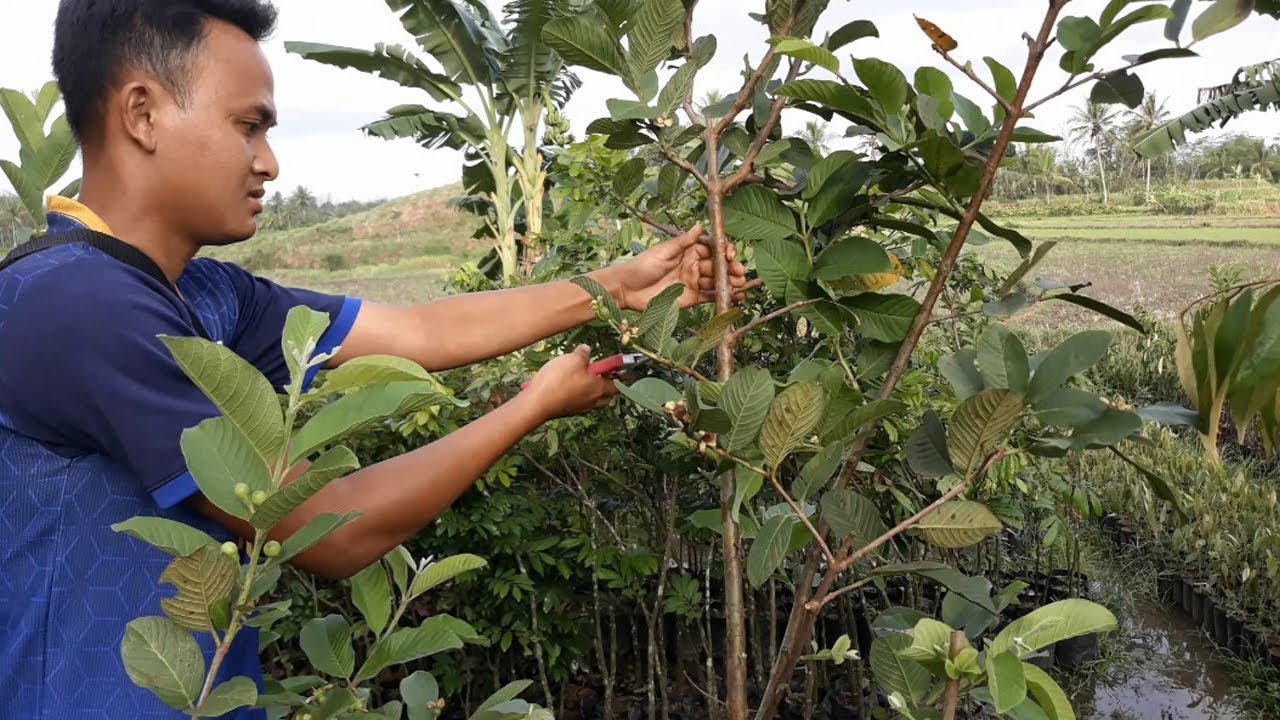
{"x": 828, "y": 234}
{"x": 43, "y": 157}
{"x": 501, "y": 79}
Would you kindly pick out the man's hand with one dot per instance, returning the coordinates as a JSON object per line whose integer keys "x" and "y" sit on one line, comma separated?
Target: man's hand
{"x": 682, "y": 260}
{"x": 564, "y": 386}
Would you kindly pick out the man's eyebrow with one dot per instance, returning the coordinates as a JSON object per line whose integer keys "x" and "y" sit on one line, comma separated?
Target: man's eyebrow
{"x": 267, "y": 113}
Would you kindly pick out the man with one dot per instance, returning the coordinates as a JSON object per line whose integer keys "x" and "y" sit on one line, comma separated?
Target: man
{"x": 171, "y": 101}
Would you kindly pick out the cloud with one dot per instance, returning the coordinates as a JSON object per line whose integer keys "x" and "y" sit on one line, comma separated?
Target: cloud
{"x": 319, "y": 143}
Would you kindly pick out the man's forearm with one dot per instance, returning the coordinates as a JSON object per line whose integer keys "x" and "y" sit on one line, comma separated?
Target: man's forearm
{"x": 397, "y": 497}
{"x": 474, "y": 327}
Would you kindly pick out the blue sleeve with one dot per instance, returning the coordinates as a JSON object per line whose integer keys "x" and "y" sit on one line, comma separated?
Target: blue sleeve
{"x": 263, "y": 308}
{"x": 85, "y": 373}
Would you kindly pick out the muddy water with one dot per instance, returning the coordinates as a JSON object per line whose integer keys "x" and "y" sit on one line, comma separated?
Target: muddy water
{"x": 1168, "y": 671}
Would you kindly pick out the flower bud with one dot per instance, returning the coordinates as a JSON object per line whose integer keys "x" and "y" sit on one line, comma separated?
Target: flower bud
{"x": 259, "y": 497}
{"x": 271, "y": 549}
{"x": 229, "y": 549}
{"x": 242, "y": 491}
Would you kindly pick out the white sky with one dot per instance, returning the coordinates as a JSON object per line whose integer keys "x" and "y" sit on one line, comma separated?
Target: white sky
{"x": 319, "y": 143}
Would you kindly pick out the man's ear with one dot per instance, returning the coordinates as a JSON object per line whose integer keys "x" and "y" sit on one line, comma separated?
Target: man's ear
{"x": 137, "y": 106}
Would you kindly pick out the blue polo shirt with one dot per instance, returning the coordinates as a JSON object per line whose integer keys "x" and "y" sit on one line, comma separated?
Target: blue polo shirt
{"x": 91, "y": 410}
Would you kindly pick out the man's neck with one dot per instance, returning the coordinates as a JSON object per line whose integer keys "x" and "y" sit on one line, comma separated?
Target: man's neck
{"x": 136, "y": 224}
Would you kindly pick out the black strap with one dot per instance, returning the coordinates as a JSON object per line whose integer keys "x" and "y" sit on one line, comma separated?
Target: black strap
{"x": 114, "y": 248}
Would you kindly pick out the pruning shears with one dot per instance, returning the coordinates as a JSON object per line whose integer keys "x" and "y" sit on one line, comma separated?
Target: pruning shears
{"x": 610, "y": 365}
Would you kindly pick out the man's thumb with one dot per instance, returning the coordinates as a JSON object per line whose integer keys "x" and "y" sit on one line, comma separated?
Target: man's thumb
{"x": 583, "y": 351}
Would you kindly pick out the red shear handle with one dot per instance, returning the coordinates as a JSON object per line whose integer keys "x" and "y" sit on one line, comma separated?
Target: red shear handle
{"x": 599, "y": 367}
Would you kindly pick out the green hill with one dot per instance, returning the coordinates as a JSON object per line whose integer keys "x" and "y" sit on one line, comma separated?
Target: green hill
{"x": 395, "y": 252}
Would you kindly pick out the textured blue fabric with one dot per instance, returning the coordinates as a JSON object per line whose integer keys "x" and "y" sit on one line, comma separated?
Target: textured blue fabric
{"x": 91, "y": 410}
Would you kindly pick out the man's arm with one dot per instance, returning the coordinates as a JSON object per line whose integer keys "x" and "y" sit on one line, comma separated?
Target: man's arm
{"x": 465, "y": 329}
{"x": 399, "y": 496}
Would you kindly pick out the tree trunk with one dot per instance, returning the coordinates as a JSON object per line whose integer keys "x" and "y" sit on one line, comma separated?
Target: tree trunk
{"x": 1102, "y": 174}
{"x": 1148, "y": 198}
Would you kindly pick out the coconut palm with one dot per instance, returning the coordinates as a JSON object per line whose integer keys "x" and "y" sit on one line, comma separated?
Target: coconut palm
{"x": 1149, "y": 115}
{"x": 1095, "y": 124}
{"x": 817, "y": 135}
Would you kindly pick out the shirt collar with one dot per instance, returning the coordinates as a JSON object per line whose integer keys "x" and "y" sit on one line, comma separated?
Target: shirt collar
{"x": 63, "y": 214}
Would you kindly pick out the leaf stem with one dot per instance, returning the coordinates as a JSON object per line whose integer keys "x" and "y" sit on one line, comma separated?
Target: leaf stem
{"x": 969, "y": 73}
{"x": 738, "y": 334}
{"x": 799, "y": 512}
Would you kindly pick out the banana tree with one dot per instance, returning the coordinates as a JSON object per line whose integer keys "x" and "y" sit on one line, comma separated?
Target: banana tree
{"x": 44, "y": 158}
{"x": 498, "y": 78}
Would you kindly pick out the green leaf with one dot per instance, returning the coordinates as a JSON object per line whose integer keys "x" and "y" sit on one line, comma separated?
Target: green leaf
{"x": 444, "y": 570}
{"x": 852, "y": 256}
{"x": 219, "y": 457}
{"x": 203, "y": 579}
{"x": 371, "y": 594}
{"x": 1078, "y": 34}
{"x": 390, "y": 62}
{"x": 883, "y": 317}
{"x": 586, "y": 38}
{"x": 327, "y": 644}
{"x": 1173, "y": 26}
{"x": 177, "y": 539}
{"x": 817, "y": 471}
{"x": 677, "y": 88}
{"x": 303, "y": 328}
{"x": 236, "y": 388}
{"x": 927, "y": 452}
{"x": 449, "y": 32}
{"x": 1110, "y": 428}
{"x": 896, "y": 674}
{"x": 783, "y": 267}
{"x": 746, "y": 397}
{"x": 1005, "y": 83}
{"x": 1069, "y": 407}
{"x": 361, "y": 409}
{"x": 649, "y": 393}
{"x": 839, "y": 425}
{"x": 505, "y": 694}
{"x": 1101, "y": 308}
{"x": 312, "y": 533}
{"x": 832, "y": 94}
{"x": 930, "y": 640}
{"x": 976, "y": 590}
{"x": 791, "y": 419}
{"x": 630, "y": 174}
{"x": 852, "y": 515}
{"x": 887, "y": 84}
{"x": 651, "y": 32}
{"x": 658, "y": 321}
{"x": 402, "y": 646}
{"x": 754, "y": 212}
{"x": 1054, "y": 623}
{"x": 370, "y": 370}
{"x": 974, "y": 119}
{"x": 849, "y": 32}
{"x": 959, "y": 524}
{"x": 804, "y": 50}
{"x": 980, "y": 425}
{"x": 235, "y": 693}
{"x": 836, "y": 196}
{"x": 710, "y": 335}
{"x": 1047, "y": 693}
{"x": 1118, "y": 87}
{"x": 334, "y": 463}
{"x": 417, "y": 691}
{"x": 769, "y": 548}
{"x": 1031, "y": 135}
{"x": 961, "y": 373}
{"x": 1003, "y": 359}
{"x": 598, "y": 293}
{"x": 165, "y": 659}
{"x": 1221, "y": 16}
{"x": 23, "y": 116}
{"x": 1075, "y": 355}
{"x": 1008, "y": 684}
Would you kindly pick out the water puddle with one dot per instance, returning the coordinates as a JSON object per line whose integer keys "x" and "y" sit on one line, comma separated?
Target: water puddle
{"x": 1166, "y": 671}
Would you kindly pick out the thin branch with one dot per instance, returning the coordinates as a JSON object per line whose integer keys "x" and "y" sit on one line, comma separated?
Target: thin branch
{"x": 737, "y": 335}
{"x": 775, "y": 113}
{"x": 882, "y": 200}
{"x": 754, "y": 179}
{"x": 651, "y": 221}
{"x": 683, "y": 164}
{"x": 1073, "y": 84}
{"x": 744, "y": 95}
{"x": 901, "y": 527}
{"x": 799, "y": 512}
{"x": 969, "y": 73}
{"x": 817, "y": 604}
{"x": 669, "y": 364}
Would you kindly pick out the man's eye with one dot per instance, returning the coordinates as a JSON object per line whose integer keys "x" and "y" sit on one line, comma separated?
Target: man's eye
{"x": 252, "y": 128}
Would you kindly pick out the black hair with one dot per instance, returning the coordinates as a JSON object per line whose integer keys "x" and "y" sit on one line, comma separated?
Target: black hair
{"x": 96, "y": 40}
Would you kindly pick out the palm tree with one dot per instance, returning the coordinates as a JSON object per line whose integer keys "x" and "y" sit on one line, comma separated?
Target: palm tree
{"x": 1150, "y": 114}
{"x": 1096, "y": 124}
{"x": 817, "y": 135}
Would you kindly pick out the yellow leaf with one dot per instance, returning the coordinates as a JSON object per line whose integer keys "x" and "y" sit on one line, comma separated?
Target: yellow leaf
{"x": 935, "y": 33}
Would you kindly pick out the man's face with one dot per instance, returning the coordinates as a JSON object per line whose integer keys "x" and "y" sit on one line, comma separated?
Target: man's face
{"x": 212, "y": 157}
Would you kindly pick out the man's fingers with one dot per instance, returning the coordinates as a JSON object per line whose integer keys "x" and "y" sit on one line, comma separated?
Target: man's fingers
{"x": 706, "y": 283}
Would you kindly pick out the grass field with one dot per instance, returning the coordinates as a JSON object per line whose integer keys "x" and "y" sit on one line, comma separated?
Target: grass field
{"x": 399, "y": 252}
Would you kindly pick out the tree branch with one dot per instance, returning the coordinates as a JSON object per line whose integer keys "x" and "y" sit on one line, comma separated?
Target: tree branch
{"x": 669, "y": 364}
{"x": 901, "y": 527}
{"x": 799, "y": 512}
{"x": 1072, "y": 85}
{"x": 737, "y": 335}
{"x": 762, "y": 137}
{"x": 683, "y": 164}
{"x": 651, "y": 221}
{"x": 969, "y": 73}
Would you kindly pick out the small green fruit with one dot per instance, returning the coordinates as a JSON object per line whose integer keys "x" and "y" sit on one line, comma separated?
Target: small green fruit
{"x": 259, "y": 497}
{"x": 271, "y": 549}
{"x": 242, "y": 491}
{"x": 229, "y": 549}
